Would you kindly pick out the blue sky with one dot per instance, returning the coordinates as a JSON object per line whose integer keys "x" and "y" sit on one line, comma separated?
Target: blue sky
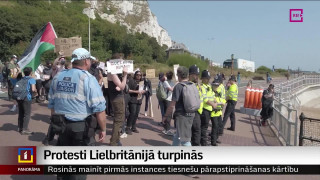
{"x": 217, "y": 29}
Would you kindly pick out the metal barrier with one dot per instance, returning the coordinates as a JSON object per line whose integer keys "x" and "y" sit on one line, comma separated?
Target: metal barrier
{"x": 285, "y": 90}
{"x": 285, "y": 121}
{"x": 287, "y": 105}
{"x": 309, "y": 131}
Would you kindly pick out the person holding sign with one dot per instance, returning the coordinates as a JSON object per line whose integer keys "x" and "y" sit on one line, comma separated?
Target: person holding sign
{"x": 134, "y": 103}
{"x": 116, "y": 85}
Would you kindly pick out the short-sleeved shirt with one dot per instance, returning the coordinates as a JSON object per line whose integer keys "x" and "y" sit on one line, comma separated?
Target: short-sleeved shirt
{"x": 76, "y": 94}
{"x": 178, "y": 98}
{"x": 166, "y": 85}
{"x": 30, "y": 82}
{"x": 133, "y": 85}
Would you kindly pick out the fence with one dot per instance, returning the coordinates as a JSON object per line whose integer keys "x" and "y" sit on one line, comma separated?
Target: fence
{"x": 287, "y": 106}
{"x": 309, "y": 131}
{"x": 285, "y": 121}
{"x": 285, "y": 90}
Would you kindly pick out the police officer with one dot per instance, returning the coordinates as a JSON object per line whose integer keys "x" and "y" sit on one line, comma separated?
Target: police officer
{"x": 232, "y": 98}
{"x": 208, "y": 103}
{"x": 196, "y": 126}
{"x": 216, "y": 115}
{"x": 222, "y": 94}
{"x": 76, "y": 95}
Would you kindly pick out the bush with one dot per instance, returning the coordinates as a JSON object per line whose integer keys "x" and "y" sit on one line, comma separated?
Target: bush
{"x": 263, "y": 70}
{"x": 187, "y": 61}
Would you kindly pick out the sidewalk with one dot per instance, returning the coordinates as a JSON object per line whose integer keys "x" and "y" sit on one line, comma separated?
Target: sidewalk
{"x": 248, "y": 133}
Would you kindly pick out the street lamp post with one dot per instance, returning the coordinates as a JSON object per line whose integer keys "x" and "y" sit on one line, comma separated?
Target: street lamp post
{"x": 89, "y": 34}
{"x": 232, "y": 64}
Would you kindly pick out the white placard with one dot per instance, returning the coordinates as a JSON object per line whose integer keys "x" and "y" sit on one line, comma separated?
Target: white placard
{"x": 115, "y": 66}
{"x": 175, "y": 68}
{"x": 102, "y": 65}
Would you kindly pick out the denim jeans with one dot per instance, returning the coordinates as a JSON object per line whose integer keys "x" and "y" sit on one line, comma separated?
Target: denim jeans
{"x": 177, "y": 142}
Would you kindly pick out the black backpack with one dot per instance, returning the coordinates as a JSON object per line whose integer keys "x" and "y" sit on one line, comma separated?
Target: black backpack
{"x": 20, "y": 91}
{"x": 5, "y": 71}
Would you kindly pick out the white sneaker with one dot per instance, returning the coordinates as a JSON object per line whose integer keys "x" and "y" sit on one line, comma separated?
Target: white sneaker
{"x": 170, "y": 133}
{"x": 164, "y": 131}
{"x": 124, "y": 135}
{"x": 145, "y": 114}
{"x": 14, "y": 108}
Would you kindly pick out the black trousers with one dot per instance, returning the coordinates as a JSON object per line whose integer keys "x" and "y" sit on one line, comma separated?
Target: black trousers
{"x": 229, "y": 112}
{"x": 134, "y": 110}
{"x": 196, "y": 130}
{"x": 220, "y": 125}
{"x": 204, "y": 126}
{"x": 10, "y": 89}
{"x": 266, "y": 111}
{"x": 214, "y": 130}
{"x": 24, "y": 107}
{"x": 147, "y": 95}
{"x": 73, "y": 135}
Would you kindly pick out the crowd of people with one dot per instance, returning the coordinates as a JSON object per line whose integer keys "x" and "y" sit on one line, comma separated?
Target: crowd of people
{"x": 82, "y": 91}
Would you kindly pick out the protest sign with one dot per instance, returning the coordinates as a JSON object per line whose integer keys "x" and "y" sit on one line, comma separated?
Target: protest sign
{"x": 150, "y": 73}
{"x": 67, "y": 45}
{"x": 116, "y": 66}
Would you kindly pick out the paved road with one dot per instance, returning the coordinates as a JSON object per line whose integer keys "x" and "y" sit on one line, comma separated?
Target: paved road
{"x": 247, "y": 133}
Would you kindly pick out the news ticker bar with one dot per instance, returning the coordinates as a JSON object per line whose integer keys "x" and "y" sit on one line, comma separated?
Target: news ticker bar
{"x": 161, "y": 169}
{"x": 162, "y": 155}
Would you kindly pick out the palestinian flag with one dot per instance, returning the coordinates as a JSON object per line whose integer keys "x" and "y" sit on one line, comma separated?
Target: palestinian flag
{"x": 42, "y": 42}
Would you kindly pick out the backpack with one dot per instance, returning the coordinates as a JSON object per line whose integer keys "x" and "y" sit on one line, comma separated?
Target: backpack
{"x": 160, "y": 92}
{"x": 191, "y": 98}
{"x": 20, "y": 91}
{"x": 5, "y": 71}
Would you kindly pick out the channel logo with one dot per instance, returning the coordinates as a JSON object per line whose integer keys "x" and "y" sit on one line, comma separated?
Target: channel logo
{"x": 296, "y": 15}
{"x": 25, "y": 155}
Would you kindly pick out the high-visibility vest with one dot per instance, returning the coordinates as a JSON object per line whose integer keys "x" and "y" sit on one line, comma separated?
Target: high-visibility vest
{"x": 221, "y": 90}
{"x": 201, "y": 99}
{"x": 208, "y": 95}
{"x": 232, "y": 93}
{"x": 218, "y": 110}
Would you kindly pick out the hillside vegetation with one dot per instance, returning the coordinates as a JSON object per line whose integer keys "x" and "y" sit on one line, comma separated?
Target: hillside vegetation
{"x": 20, "y": 21}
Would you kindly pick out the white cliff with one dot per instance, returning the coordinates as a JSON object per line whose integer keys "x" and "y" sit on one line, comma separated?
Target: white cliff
{"x": 135, "y": 15}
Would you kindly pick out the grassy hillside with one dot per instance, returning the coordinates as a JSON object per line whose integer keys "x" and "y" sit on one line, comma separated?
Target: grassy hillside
{"x": 20, "y": 20}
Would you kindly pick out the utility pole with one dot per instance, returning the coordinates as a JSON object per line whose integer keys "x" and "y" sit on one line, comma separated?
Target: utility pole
{"x": 232, "y": 64}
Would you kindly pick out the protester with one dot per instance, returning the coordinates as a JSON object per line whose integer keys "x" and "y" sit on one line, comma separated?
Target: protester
{"x": 14, "y": 70}
{"x": 74, "y": 96}
{"x": 148, "y": 89}
{"x": 134, "y": 102}
{"x": 162, "y": 95}
{"x": 116, "y": 85}
{"x": 24, "y": 105}
{"x": 267, "y": 101}
{"x": 196, "y": 124}
{"x": 58, "y": 65}
{"x": 168, "y": 87}
{"x": 238, "y": 78}
{"x": 183, "y": 120}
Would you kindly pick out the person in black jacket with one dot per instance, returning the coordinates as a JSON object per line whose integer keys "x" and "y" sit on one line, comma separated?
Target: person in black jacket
{"x": 267, "y": 101}
{"x": 134, "y": 102}
{"x": 148, "y": 89}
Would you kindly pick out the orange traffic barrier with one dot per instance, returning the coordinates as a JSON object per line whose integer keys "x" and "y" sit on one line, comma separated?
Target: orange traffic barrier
{"x": 253, "y": 98}
{"x": 247, "y": 97}
{"x": 260, "y": 96}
